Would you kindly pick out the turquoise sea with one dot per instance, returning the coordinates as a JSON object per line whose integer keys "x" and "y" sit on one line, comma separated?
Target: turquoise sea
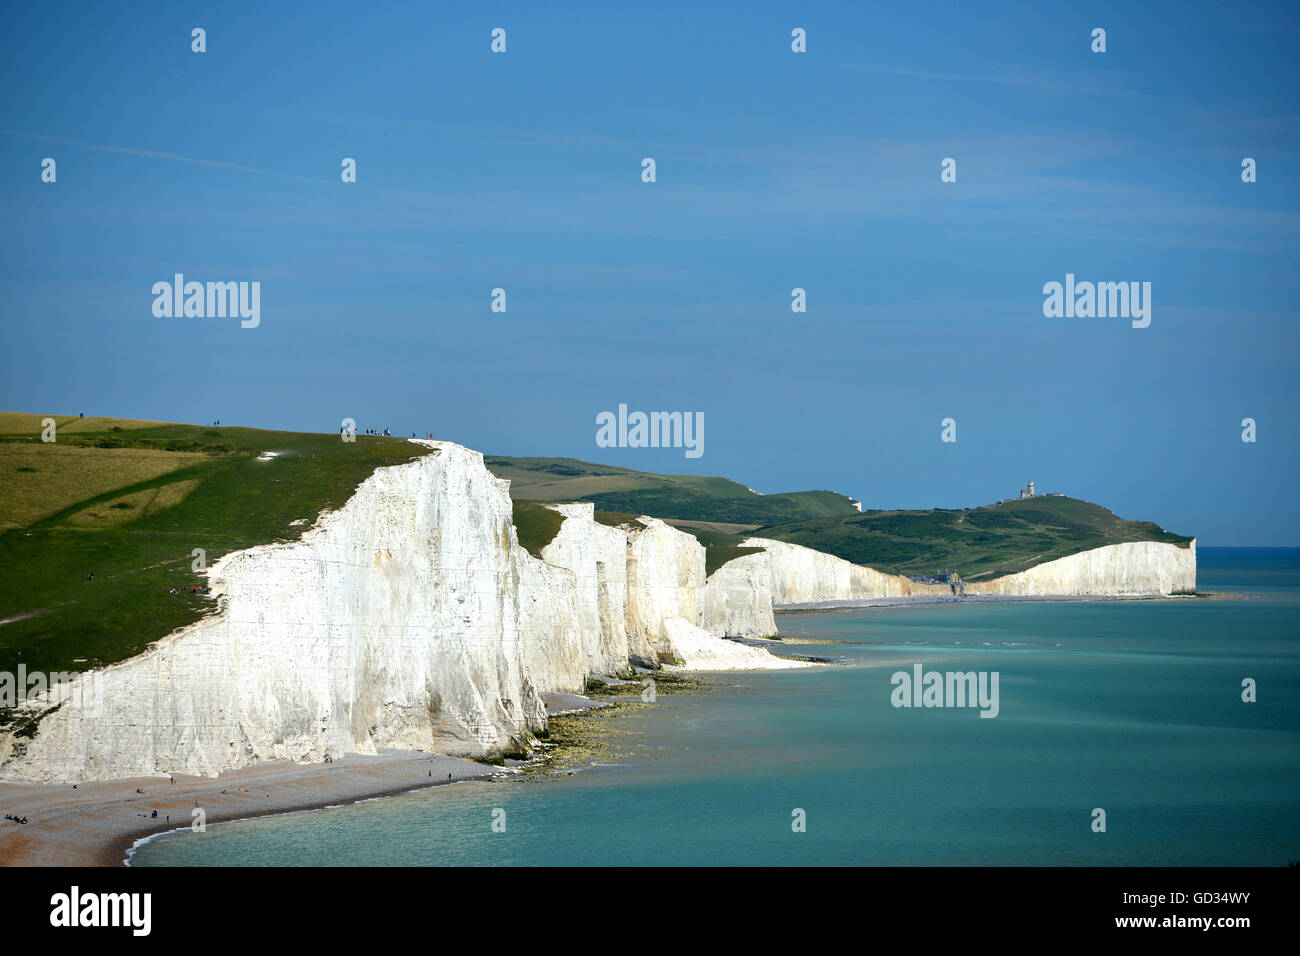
{"x": 1133, "y": 707}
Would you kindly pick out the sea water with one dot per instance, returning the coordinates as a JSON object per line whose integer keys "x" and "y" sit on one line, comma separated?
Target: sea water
{"x": 1130, "y": 707}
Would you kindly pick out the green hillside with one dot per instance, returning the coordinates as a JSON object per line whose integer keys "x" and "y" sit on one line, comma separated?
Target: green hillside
{"x": 128, "y": 502}
{"x": 979, "y": 543}
{"x": 684, "y": 497}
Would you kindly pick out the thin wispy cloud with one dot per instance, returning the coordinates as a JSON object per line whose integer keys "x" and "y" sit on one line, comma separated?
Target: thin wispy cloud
{"x": 154, "y": 154}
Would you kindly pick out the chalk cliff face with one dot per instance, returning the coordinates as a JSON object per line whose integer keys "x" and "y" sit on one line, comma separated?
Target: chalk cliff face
{"x": 408, "y": 618}
{"x": 411, "y": 618}
{"x": 1132, "y": 569}
{"x": 737, "y": 601}
{"x": 395, "y": 621}
{"x": 597, "y": 556}
{"x": 665, "y": 572}
{"x": 802, "y": 576}
{"x": 632, "y": 580}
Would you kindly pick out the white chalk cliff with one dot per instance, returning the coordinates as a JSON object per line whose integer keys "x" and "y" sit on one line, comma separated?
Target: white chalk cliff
{"x": 412, "y": 618}
{"x": 1133, "y": 569}
{"x": 803, "y": 576}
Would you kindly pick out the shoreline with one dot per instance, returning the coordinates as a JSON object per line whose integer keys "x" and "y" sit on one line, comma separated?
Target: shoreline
{"x": 101, "y": 823}
{"x": 929, "y": 600}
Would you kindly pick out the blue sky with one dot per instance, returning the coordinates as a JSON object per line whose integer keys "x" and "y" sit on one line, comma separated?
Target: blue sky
{"x": 775, "y": 170}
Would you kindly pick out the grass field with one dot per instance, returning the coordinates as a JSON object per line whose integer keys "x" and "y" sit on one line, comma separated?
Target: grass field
{"x": 129, "y": 502}
{"x": 41, "y": 479}
{"x": 31, "y": 424}
{"x": 128, "y": 508}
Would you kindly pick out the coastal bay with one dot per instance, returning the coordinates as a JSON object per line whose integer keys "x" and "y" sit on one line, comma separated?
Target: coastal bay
{"x": 1111, "y": 704}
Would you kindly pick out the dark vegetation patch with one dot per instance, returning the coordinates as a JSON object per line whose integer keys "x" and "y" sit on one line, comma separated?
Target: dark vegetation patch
{"x": 688, "y": 504}
{"x": 716, "y": 557}
{"x": 618, "y": 519}
{"x": 536, "y": 525}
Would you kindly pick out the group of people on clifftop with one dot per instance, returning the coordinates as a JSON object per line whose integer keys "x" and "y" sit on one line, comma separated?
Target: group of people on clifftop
{"x": 386, "y": 433}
